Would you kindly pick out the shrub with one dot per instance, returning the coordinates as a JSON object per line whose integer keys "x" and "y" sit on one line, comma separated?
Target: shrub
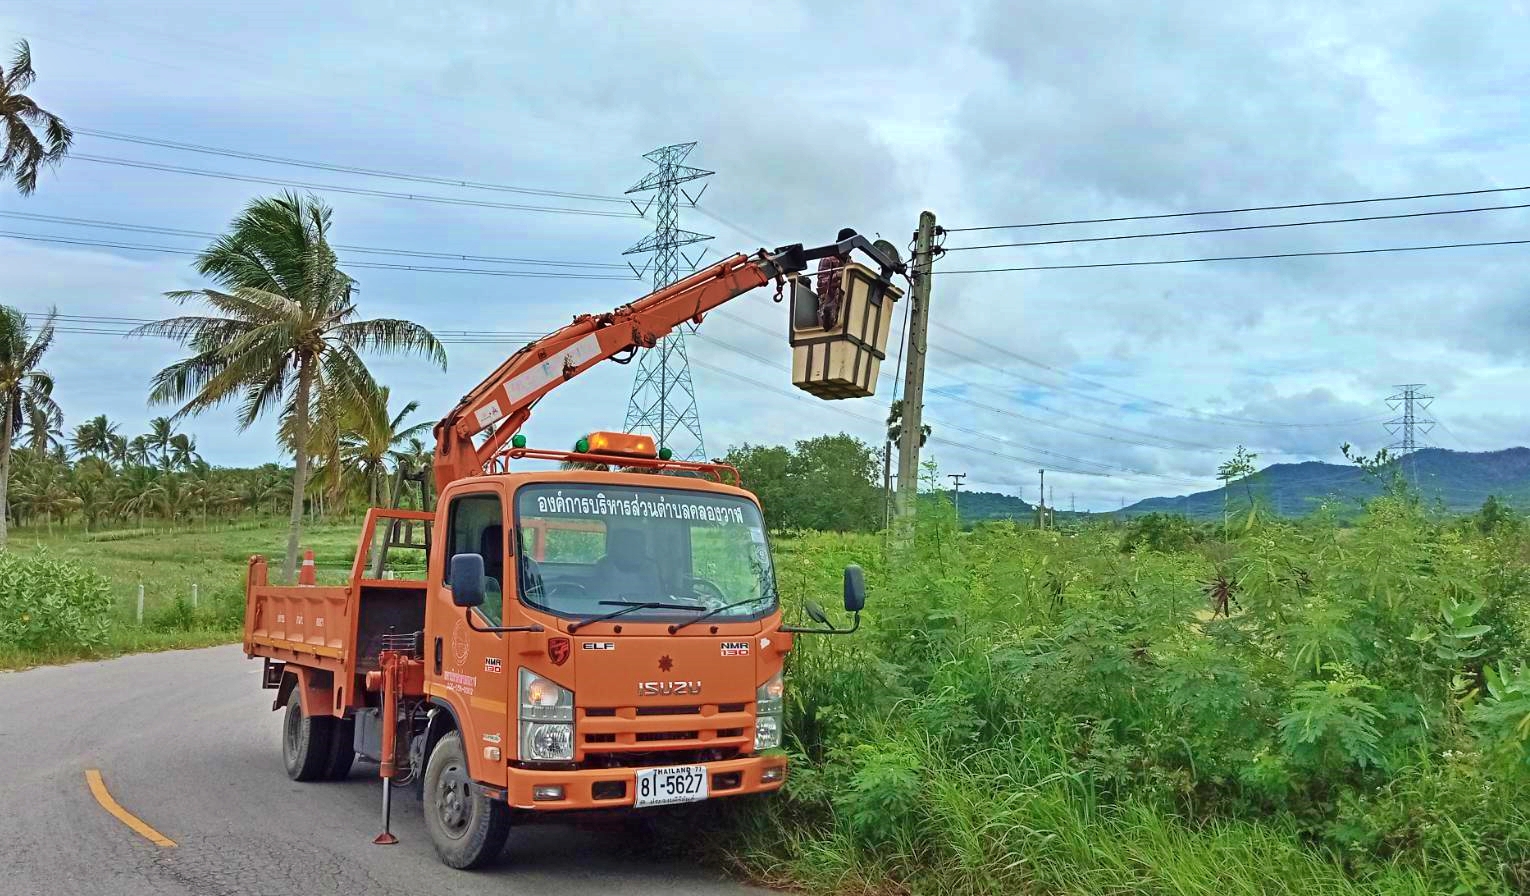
{"x": 51, "y": 604}
{"x": 1024, "y": 712}
{"x": 1162, "y": 532}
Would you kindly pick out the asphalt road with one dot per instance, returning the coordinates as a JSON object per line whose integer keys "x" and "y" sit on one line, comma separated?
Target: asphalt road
{"x": 187, "y": 743}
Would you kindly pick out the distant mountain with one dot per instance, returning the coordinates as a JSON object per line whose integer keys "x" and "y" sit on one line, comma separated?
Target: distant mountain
{"x": 979, "y": 506}
{"x": 1460, "y": 480}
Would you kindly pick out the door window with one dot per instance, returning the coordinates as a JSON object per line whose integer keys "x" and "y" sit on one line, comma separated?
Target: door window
{"x": 477, "y": 527}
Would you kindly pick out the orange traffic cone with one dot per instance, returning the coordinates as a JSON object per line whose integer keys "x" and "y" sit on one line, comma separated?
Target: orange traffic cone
{"x": 306, "y": 575}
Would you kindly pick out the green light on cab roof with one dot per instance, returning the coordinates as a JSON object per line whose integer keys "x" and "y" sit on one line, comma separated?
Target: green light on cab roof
{"x": 665, "y": 454}
{"x": 582, "y": 446}
{"x": 518, "y": 440}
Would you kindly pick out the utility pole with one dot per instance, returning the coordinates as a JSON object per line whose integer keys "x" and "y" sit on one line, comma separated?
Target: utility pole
{"x": 1072, "y": 502}
{"x": 911, "y": 416}
{"x": 886, "y": 483}
{"x": 956, "y": 494}
{"x": 1041, "y": 501}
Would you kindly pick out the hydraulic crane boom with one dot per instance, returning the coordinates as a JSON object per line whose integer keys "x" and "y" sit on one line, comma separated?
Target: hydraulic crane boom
{"x": 503, "y": 401}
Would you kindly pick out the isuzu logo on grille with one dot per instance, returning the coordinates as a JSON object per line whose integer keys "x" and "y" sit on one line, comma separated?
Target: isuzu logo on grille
{"x": 668, "y": 688}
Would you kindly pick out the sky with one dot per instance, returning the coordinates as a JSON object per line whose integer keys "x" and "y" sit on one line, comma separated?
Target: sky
{"x": 1122, "y": 382}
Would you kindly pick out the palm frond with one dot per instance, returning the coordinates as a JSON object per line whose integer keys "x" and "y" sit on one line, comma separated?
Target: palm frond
{"x": 260, "y": 397}
{"x": 20, "y": 75}
{"x": 41, "y": 342}
{"x": 392, "y": 335}
{"x": 209, "y": 330}
{"x": 346, "y": 376}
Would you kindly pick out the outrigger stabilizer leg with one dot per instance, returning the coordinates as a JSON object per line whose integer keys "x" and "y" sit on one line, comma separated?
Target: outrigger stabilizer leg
{"x": 391, "y": 674}
{"x": 386, "y": 838}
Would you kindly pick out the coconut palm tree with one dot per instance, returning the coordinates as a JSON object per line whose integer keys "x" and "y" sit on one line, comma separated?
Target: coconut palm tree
{"x": 182, "y": 451}
{"x": 93, "y": 438}
{"x": 138, "y": 452}
{"x": 24, "y": 386}
{"x": 42, "y": 432}
{"x": 45, "y": 490}
{"x": 282, "y": 333}
{"x": 161, "y": 433}
{"x": 92, "y": 482}
{"x": 371, "y": 438}
{"x": 24, "y": 152}
{"x": 139, "y": 490}
{"x": 117, "y": 449}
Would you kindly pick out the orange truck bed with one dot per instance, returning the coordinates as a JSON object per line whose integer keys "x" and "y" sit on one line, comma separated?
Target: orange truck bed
{"x": 329, "y": 628}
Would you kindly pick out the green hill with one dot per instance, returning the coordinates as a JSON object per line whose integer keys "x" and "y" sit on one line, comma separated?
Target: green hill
{"x": 1458, "y": 480}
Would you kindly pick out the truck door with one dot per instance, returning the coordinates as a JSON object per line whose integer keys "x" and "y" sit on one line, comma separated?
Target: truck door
{"x": 473, "y": 671}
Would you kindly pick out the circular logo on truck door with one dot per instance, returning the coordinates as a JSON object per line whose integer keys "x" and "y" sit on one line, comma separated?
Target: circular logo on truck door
{"x": 460, "y": 643}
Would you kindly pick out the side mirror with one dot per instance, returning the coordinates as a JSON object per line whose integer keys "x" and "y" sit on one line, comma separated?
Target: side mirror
{"x": 467, "y": 580}
{"x": 815, "y": 612}
{"x": 855, "y": 589}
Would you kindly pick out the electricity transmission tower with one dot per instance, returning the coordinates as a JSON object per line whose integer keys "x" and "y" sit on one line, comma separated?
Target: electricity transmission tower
{"x": 1410, "y": 424}
{"x": 663, "y": 398}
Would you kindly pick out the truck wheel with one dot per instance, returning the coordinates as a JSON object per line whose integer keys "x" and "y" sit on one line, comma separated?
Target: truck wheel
{"x": 307, "y": 742}
{"x": 468, "y": 828}
{"x": 343, "y": 750}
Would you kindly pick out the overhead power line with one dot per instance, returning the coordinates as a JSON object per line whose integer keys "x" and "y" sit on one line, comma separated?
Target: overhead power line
{"x": 1143, "y": 236}
{"x": 344, "y": 169}
{"x": 1194, "y": 416}
{"x": 131, "y": 322}
{"x": 355, "y": 191}
{"x": 1135, "y": 264}
{"x": 110, "y": 325}
{"x": 375, "y": 250}
{"x": 847, "y": 413}
{"x": 1234, "y": 211}
{"x": 372, "y": 265}
{"x": 1162, "y": 442}
{"x": 1104, "y": 466}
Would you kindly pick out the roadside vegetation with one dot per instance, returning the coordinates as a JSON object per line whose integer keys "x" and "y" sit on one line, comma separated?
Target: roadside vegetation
{"x": 95, "y": 577}
{"x": 1291, "y": 708}
{"x": 1337, "y": 705}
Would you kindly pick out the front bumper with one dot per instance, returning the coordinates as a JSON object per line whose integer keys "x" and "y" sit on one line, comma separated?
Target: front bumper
{"x": 598, "y": 788}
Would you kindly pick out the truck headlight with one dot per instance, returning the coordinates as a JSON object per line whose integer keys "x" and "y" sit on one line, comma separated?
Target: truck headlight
{"x": 547, "y": 741}
{"x": 546, "y": 719}
{"x": 768, "y": 704}
{"x": 767, "y": 732}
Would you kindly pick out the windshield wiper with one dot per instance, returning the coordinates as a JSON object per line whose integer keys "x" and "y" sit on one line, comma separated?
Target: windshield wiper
{"x": 627, "y": 607}
{"x": 710, "y": 613}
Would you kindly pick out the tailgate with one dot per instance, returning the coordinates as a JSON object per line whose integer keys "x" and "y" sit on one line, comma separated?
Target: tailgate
{"x": 282, "y": 620}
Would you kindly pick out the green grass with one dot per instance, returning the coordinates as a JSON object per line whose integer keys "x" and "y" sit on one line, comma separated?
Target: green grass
{"x": 167, "y": 562}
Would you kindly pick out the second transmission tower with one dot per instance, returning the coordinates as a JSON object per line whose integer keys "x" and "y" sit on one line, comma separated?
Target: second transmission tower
{"x": 663, "y": 398}
{"x": 1410, "y": 424}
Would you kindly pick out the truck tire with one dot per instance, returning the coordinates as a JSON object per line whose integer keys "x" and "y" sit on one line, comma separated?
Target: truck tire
{"x": 342, "y": 751}
{"x": 307, "y": 742}
{"x": 467, "y": 828}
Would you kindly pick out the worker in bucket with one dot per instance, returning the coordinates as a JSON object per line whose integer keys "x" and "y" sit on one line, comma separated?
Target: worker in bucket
{"x": 830, "y": 295}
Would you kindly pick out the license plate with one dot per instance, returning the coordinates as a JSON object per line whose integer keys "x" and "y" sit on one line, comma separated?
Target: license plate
{"x": 676, "y": 784}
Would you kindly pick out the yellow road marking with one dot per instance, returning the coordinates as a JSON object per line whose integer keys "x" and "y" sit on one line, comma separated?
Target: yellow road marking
{"x": 98, "y": 790}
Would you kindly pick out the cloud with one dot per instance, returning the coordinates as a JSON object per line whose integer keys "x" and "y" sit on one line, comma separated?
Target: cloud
{"x": 815, "y": 118}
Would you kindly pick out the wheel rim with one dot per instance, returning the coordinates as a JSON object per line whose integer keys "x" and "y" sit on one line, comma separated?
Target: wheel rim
{"x": 292, "y": 732}
{"x": 454, "y": 800}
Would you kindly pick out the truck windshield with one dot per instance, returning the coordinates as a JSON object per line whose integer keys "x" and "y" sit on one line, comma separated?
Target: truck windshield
{"x": 582, "y": 544}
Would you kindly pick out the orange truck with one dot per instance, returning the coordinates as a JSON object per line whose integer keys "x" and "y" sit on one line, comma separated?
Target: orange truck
{"x": 602, "y": 635}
